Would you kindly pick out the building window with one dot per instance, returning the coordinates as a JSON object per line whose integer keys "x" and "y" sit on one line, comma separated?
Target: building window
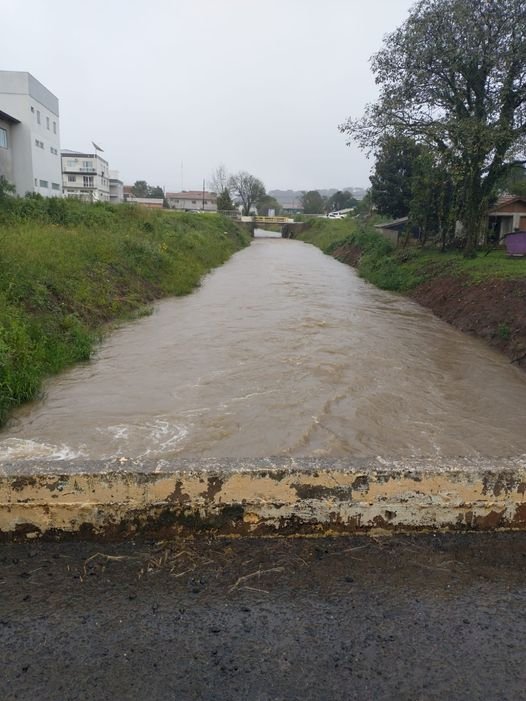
{"x": 36, "y": 182}
{"x": 72, "y": 178}
{"x": 32, "y": 110}
{"x": 3, "y": 138}
{"x": 88, "y": 180}
{"x": 55, "y": 186}
{"x": 54, "y": 127}
{"x": 38, "y": 116}
{"x": 194, "y": 202}
{"x": 43, "y": 183}
{"x": 47, "y": 123}
{"x": 53, "y": 150}
{"x": 71, "y": 164}
{"x": 39, "y": 144}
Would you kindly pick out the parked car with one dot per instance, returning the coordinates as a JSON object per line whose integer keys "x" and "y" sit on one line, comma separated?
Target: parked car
{"x": 335, "y": 215}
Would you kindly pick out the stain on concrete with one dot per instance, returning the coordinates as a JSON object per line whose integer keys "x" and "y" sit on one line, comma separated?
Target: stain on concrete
{"x": 309, "y": 497}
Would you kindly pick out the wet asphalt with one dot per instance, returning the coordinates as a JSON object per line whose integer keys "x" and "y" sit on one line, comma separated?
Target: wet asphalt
{"x": 423, "y": 617}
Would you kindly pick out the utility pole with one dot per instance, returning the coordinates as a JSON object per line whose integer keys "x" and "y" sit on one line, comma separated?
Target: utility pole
{"x": 203, "y": 194}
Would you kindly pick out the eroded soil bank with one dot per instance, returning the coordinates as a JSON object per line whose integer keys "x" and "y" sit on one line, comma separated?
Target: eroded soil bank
{"x": 493, "y": 309}
{"x": 429, "y": 617}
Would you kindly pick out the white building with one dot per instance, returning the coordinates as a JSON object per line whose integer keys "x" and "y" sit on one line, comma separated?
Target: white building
{"x": 192, "y": 201}
{"x": 29, "y": 135}
{"x": 85, "y": 176}
{"x": 116, "y": 187}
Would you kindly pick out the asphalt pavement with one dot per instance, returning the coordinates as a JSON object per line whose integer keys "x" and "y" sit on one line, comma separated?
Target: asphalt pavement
{"x": 423, "y": 617}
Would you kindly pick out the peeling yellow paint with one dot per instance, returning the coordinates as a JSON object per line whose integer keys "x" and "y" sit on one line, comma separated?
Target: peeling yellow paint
{"x": 292, "y": 500}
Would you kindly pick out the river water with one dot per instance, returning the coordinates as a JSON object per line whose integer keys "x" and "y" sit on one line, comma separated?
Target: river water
{"x": 282, "y": 351}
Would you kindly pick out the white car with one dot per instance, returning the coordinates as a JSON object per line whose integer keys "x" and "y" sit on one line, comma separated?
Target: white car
{"x": 335, "y": 215}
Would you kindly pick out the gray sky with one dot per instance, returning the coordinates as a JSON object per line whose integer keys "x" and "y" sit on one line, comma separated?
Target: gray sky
{"x": 258, "y": 86}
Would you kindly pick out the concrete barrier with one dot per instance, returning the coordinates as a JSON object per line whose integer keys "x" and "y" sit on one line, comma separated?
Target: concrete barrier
{"x": 124, "y": 498}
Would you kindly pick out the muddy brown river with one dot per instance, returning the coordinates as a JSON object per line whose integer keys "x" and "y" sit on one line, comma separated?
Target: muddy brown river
{"x": 282, "y": 351}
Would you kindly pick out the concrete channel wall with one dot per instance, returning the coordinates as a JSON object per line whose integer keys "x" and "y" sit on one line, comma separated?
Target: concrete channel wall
{"x": 124, "y": 498}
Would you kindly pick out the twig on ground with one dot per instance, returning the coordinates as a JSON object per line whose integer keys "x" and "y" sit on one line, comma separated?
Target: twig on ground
{"x": 258, "y": 573}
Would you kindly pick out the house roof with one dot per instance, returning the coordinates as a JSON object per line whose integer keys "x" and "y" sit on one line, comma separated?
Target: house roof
{"x": 394, "y": 224}
{"x": 506, "y": 200}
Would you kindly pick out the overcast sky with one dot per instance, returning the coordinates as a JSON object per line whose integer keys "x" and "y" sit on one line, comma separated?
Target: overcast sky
{"x": 257, "y": 86}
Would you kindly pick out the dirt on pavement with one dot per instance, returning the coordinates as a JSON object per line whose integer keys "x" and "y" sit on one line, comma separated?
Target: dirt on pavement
{"x": 405, "y": 617}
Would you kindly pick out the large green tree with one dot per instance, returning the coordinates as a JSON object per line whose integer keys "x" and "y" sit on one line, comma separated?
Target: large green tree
{"x": 268, "y": 203}
{"x": 453, "y": 76}
{"x": 340, "y": 200}
{"x": 391, "y": 181}
{"x": 248, "y": 189}
{"x": 142, "y": 189}
{"x": 313, "y": 202}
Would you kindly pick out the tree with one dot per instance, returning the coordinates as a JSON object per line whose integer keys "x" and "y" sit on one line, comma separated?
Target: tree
{"x": 515, "y": 181}
{"x": 452, "y": 76}
{"x": 391, "y": 183}
{"x": 248, "y": 190}
{"x": 140, "y": 188}
{"x": 431, "y": 206}
{"x": 313, "y": 202}
{"x": 267, "y": 203}
{"x": 340, "y": 200}
{"x": 156, "y": 191}
{"x": 224, "y": 201}
{"x": 219, "y": 180}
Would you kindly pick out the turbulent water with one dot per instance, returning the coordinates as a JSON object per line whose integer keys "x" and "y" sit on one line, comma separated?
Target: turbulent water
{"x": 282, "y": 351}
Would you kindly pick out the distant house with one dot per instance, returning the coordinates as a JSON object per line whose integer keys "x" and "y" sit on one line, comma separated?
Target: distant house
{"x": 508, "y": 215}
{"x": 151, "y": 202}
{"x": 192, "y": 201}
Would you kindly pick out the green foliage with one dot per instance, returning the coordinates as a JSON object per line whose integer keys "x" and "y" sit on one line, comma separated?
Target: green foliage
{"x": 340, "y": 200}
{"x": 313, "y": 202}
{"x": 68, "y": 268}
{"x": 393, "y": 171}
{"x": 224, "y": 201}
{"x": 142, "y": 189}
{"x": 7, "y": 189}
{"x": 267, "y": 203}
{"x": 402, "y": 269}
{"x": 452, "y": 77}
{"x": 248, "y": 190}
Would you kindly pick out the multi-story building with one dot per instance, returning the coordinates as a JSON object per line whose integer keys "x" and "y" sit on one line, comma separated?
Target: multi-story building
{"x": 29, "y": 135}
{"x": 192, "y": 201}
{"x": 116, "y": 187}
{"x": 85, "y": 176}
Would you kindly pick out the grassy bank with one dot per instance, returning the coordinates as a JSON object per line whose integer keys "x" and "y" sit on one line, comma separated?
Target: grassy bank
{"x": 485, "y": 295}
{"x": 68, "y": 268}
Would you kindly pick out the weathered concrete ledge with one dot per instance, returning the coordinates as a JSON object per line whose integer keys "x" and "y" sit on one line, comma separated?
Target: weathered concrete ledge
{"x": 124, "y": 498}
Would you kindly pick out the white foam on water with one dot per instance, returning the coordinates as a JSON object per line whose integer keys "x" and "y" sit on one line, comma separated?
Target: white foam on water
{"x": 24, "y": 449}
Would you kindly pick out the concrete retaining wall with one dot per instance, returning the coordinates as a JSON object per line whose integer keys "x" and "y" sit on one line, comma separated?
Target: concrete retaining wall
{"x": 124, "y": 498}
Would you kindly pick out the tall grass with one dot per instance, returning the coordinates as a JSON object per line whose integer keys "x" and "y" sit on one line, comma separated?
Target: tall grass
{"x": 67, "y": 268}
